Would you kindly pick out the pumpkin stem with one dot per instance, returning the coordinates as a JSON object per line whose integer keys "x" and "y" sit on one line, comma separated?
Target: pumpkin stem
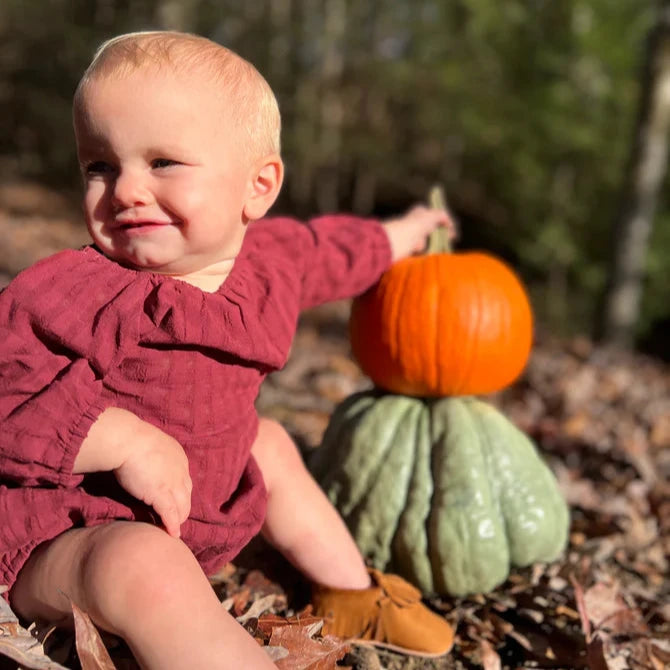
{"x": 438, "y": 241}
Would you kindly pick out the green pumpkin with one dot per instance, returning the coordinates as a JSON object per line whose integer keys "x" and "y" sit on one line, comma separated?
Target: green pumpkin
{"x": 445, "y": 492}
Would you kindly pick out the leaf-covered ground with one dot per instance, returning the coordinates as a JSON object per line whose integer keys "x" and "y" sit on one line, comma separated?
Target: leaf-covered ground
{"x": 602, "y": 421}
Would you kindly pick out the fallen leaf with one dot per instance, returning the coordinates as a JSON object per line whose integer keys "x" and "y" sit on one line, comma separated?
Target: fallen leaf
{"x": 659, "y": 656}
{"x": 306, "y": 653}
{"x": 19, "y": 645}
{"x": 581, "y": 608}
{"x": 488, "y": 655}
{"x": 521, "y": 639}
{"x": 93, "y": 654}
{"x": 275, "y": 653}
{"x": 606, "y": 609}
{"x": 240, "y": 600}
{"x": 257, "y": 608}
{"x": 595, "y": 654}
{"x": 268, "y": 622}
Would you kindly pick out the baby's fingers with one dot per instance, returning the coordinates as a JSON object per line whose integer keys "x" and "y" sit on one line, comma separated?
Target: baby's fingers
{"x": 173, "y": 508}
{"x": 167, "y": 509}
{"x": 182, "y": 497}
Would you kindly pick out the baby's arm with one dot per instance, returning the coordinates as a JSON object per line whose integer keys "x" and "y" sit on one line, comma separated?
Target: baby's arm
{"x": 408, "y": 233}
{"x": 54, "y": 425}
{"x": 148, "y": 463}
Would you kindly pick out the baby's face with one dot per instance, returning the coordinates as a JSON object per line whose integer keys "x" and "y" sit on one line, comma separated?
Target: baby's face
{"x": 165, "y": 181}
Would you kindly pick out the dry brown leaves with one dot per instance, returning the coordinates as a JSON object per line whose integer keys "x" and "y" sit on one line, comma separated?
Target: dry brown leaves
{"x": 21, "y": 645}
{"x": 293, "y": 642}
{"x": 299, "y": 649}
{"x": 617, "y": 635}
{"x": 93, "y": 654}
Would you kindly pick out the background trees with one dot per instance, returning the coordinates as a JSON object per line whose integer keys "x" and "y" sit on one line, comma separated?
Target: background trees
{"x": 644, "y": 176}
{"x": 524, "y": 109}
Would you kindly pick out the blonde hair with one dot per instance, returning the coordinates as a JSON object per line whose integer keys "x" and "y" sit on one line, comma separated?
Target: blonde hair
{"x": 251, "y": 103}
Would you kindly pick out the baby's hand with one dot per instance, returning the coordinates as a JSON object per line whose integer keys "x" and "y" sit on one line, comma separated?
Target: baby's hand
{"x": 156, "y": 472}
{"x": 408, "y": 233}
{"x": 148, "y": 463}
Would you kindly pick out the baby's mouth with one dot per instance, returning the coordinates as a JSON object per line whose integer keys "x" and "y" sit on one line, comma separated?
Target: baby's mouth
{"x": 135, "y": 225}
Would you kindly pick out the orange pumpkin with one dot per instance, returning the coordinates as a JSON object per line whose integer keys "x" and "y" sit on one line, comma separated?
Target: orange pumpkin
{"x": 443, "y": 324}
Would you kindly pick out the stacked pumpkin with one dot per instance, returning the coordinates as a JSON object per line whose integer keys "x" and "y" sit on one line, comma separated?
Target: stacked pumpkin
{"x": 433, "y": 483}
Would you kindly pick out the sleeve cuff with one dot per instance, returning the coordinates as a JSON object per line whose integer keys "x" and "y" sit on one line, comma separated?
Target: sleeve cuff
{"x": 72, "y": 440}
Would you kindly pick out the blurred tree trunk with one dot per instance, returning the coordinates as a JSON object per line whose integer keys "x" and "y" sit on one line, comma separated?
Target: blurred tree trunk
{"x": 175, "y": 14}
{"x": 646, "y": 170}
{"x": 332, "y": 104}
{"x": 317, "y": 121}
{"x": 279, "y": 41}
{"x": 372, "y": 110}
{"x": 304, "y": 131}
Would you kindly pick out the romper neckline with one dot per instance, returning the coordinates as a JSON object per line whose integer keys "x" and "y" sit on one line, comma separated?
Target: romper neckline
{"x": 231, "y": 281}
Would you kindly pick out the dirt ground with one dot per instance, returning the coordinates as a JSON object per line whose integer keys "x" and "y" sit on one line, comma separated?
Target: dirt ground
{"x": 601, "y": 419}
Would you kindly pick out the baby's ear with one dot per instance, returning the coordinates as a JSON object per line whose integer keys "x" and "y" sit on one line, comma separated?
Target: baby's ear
{"x": 266, "y": 181}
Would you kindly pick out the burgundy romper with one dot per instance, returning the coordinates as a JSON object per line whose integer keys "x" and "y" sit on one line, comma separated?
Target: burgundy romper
{"x": 80, "y": 333}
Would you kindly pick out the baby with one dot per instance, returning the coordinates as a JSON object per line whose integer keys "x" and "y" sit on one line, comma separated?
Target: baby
{"x": 132, "y": 461}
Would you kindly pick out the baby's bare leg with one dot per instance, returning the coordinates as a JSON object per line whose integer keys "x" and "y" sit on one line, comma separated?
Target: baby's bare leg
{"x": 136, "y": 581}
{"x": 300, "y": 521}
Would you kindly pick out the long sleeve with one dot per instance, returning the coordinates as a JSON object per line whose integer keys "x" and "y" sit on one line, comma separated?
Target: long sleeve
{"x": 47, "y": 405}
{"x": 49, "y": 394}
{"x": 339, "y": 256}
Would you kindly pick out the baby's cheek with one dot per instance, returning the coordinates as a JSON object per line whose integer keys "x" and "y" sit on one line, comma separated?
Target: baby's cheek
{"x": 95, "y": 203}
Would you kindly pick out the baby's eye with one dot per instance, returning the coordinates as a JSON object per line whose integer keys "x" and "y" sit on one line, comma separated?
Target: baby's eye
{"x": 162, "y": 162}
{"x": 97, "y": 167}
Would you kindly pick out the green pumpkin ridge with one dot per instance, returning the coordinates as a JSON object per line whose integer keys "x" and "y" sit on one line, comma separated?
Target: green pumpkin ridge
{"x": 374, "y": 518}
{"x": 355, "y": 452}
{"x": 409, "y": 555}
{"x": 534, "y": 513}
{"x": 336, "y": 441}
{"x": 367, "y": 456}
{"x": 466, "y": 534}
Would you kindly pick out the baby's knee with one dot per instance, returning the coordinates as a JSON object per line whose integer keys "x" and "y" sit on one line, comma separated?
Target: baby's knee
{"x": 130, "y": 566}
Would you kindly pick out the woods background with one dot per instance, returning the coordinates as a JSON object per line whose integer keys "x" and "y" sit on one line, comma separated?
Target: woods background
{"x": 546, "y": 122}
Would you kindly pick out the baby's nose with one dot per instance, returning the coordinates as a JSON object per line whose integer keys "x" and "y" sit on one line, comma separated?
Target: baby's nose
{"x": 130, "y": 190}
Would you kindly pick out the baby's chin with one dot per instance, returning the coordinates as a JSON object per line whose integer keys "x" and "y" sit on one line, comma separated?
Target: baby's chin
{"x": 145, "y": 263}
{"x": 157, "y": 259}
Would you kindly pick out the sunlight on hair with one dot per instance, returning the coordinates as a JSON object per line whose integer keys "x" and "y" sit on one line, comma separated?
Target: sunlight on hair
{"x": 251, "y": 103}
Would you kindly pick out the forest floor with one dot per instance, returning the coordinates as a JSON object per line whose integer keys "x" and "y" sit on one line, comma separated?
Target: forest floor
{"x": 601, "y": 420}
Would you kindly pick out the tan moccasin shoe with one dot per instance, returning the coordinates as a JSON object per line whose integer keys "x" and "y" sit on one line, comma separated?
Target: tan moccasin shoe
{"x": 387, "y": 614}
